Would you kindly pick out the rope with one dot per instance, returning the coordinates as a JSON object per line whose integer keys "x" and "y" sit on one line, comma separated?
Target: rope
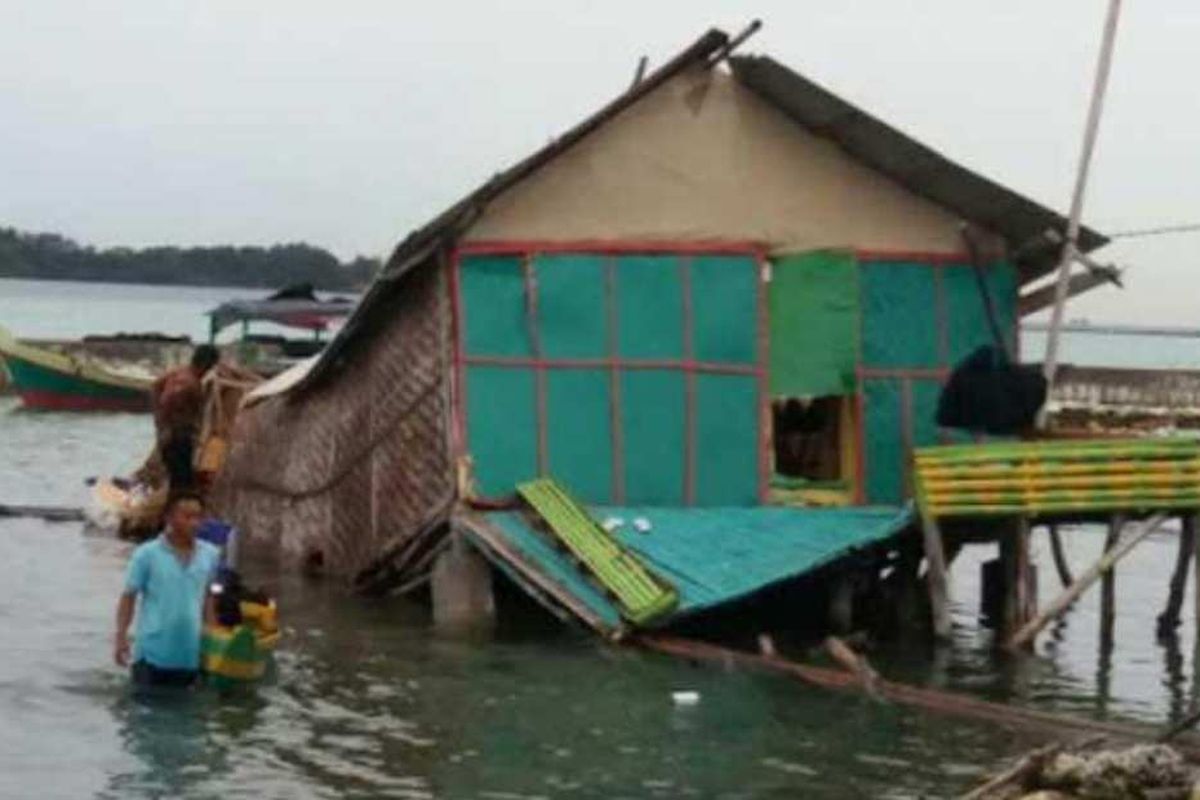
{"x": 1192, "y": 227}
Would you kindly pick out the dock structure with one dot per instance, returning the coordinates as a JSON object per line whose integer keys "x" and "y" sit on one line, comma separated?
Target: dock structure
{"x": 1001, "y": 491}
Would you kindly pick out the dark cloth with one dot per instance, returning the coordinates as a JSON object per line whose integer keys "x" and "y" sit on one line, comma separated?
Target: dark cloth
{"x": 989, "y": 394}
{"x": 146, "y": 674}
{"x": 177, "y": 455}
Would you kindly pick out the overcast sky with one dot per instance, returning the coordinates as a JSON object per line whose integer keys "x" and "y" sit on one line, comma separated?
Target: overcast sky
{"x": 348, "y": 123}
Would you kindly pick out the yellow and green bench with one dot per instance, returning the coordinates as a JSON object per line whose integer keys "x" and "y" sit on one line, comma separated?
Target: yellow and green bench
{"x": 641, "y": 595}
{"x": 1047, "y": 478}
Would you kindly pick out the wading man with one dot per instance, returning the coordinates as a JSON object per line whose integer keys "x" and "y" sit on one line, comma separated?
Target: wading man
{"x": 167, "y": 579}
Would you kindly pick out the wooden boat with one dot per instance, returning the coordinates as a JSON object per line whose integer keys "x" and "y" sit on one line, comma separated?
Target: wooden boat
{"x": 50, "y": 381}
{"x": 241, "y": 653}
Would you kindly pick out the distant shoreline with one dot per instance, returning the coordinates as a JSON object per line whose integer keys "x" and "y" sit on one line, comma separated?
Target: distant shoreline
{"x": 26, "y": 255}
{"x": 109, "y": 281}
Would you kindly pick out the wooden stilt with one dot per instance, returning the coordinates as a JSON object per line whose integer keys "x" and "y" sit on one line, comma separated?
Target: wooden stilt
{"x": 1014, "y": 558}
{"x": 935, "y": 578}
{"x": 1196, "y": 597}
{"x": 841, "y": 604}
{"x": 1168, "y": 620}
{"x": 1108, "y": 593}
{"x": 1090, "y": 576}
{"x": 1060, "y": 557}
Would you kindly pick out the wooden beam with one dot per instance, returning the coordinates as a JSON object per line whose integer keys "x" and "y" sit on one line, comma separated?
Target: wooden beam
{"x": 1042, "y": 298}
{"x": 47, "y": 513}
{"x": 1168, "y": 620}
{"x": 930, "y": 700}
{"x": 1108, "y": 590}
{"x": 1093, "y": 573}
{"x": 935, "y": 578}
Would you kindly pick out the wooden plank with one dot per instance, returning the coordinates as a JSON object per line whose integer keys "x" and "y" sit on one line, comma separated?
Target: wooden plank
{"x": 1093, "y": 573}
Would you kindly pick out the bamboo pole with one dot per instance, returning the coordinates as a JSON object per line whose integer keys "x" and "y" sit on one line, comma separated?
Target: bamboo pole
{"x": 1168, "y": 620}
{"x": 1070, "y": 246}
{"x": 1108, "y": 590}
{"x": 1093, "y": 573}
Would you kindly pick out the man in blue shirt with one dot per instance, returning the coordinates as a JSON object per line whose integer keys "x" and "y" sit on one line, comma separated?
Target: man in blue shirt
{"x": 170, "y": 574}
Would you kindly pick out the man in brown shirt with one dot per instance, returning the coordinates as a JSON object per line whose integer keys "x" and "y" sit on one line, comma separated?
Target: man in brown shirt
{"x": 177, "y": 399}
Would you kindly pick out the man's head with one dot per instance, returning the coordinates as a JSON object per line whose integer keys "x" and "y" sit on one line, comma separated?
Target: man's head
{"x": 204, "y": 358}
{"x": 185, "y": 510}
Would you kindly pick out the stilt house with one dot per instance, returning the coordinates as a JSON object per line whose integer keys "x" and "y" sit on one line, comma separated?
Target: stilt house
{"x": 726, "y": 289}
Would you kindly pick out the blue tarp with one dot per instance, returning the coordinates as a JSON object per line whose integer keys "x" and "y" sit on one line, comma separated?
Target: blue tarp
{"x": 712, "y": 556}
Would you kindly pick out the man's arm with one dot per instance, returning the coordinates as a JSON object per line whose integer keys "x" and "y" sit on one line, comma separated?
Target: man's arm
{"x": 124, "y": 617}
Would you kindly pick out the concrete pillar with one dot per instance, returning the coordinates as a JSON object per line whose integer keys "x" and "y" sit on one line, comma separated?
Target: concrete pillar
{"x": 461, "y": 586}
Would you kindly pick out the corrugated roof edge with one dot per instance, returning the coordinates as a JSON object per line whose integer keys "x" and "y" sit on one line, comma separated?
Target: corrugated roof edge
{"x": 913, "y": 165}
{"x": 444, "y": 229}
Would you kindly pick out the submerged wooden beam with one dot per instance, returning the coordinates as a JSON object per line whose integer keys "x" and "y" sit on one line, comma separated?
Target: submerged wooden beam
{"x": 1093, "y": 573}
{"x": 930, "y": 700}
{"x": 47, "y": 513}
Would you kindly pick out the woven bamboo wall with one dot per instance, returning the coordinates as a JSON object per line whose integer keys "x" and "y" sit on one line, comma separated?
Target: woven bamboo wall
{"x": 352, "y": 467}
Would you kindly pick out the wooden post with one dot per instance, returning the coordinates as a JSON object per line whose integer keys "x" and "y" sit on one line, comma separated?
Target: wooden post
{"x": 841, "y": 603}
{"x": 1108, "y": 594}
{"x": 935, "y": 577}
{"x": 1168, "y": 620}
{"x": 1060, "y": 557}
{"x": 1018, "y": 604}
{"x": 1196, "y": 595}
{"x": 1090, "y": 576}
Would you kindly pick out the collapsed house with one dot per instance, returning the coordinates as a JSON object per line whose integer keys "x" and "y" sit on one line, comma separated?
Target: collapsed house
{"x": 722, "y": 306}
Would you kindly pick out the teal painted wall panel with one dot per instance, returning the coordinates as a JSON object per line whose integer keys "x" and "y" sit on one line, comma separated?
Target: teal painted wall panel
{"x": 725, "y": 308}
{"x": 726, "y": 440}
{"x": 882, "y": 441}
{"x": 899, "y": 306}
{"x": 572, "y": 311}
{"x": 652, "y": 414}
{"x": 494, "y": 306}
{"x": 501, "y": 427}
{"x": 649, "y": 307}
{"x": 579, "y": 432}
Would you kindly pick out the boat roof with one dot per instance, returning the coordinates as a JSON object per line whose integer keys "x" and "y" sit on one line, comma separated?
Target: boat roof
{"x": 313, "y": 315}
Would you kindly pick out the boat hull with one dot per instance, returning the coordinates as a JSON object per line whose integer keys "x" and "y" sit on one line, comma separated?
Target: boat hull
{"x": 45, "y": 389}
{"x": 50, "y": 381}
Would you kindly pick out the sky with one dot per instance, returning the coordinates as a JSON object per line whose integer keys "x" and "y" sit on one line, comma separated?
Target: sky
{"x": 348, "y": 123}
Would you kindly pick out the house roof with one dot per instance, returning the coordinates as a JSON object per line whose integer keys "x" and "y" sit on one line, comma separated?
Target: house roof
{"x": 864, "y": 137}
{"x": 918, "y": 168}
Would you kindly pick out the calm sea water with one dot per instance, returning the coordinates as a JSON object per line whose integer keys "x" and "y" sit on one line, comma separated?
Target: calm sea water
{"x": 369, "y": 702}
{"x": 72, "y": 310}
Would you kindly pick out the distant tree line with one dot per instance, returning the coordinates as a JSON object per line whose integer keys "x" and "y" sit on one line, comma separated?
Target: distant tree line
{"x": 49, "y": 256}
